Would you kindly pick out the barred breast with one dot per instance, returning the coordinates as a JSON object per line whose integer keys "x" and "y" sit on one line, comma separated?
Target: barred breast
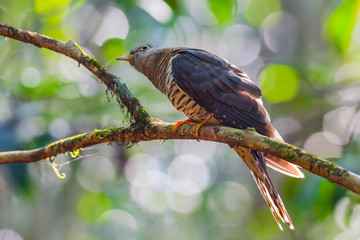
{"x": 184, "y": 103}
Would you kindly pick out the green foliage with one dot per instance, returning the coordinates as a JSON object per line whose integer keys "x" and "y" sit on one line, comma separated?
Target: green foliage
{"x": 48, "y": 87}
{"x": 92, "y": 205}
{"x": 174, "y": 4}
{"x": 261, "y": 217}
{"x": 53, "y": 11}
{"x": 112, "y": 49}
{"x": 340, "y": 24}
{"x": 49, "y": 5}
{"x": 324, "y": 202}
{"x": 279, "y": 83}
{"x": 223, "y": 10}
{"x": 258, "y": 10}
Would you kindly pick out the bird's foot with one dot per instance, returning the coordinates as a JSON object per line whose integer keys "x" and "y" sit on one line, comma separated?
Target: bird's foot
{"x": 198, "y": 126}
{"x": 180, "y": 123}
{"x": 189, "y": 121}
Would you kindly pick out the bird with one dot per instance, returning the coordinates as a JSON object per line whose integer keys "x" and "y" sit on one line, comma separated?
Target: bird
{"x": 210, "y": 90}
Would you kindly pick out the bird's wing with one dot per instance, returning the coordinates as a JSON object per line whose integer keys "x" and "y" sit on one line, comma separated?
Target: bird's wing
{"x": 228, "y": 94}
{"x": 222, "y": 89}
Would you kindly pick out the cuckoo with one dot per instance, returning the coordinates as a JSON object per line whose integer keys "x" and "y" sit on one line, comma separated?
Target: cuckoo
{"x": 210, "y": 90}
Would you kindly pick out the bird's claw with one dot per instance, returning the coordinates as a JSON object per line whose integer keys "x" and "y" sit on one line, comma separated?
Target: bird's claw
{"x": 189, "y": 121}
{"x": 198, "y": 126}
{"x": 180, "y": 123}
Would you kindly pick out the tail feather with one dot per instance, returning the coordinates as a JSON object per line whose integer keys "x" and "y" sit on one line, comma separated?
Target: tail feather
{"x": 256, "y": 163}
{"x": 281, "y": 165}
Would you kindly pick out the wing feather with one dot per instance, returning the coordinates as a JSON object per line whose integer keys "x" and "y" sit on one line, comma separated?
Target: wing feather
{"x": 221, "y": 88}
{"x": 228, "y": 94}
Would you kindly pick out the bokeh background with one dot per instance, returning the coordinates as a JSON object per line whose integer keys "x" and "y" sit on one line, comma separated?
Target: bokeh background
{"x": 305, "y": 55}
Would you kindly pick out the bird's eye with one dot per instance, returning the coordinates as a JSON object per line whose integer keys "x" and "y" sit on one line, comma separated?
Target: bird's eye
{"x": 144, "y": 47}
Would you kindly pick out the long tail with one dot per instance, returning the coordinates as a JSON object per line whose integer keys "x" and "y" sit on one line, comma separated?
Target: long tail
{"x": 256, "y": 163}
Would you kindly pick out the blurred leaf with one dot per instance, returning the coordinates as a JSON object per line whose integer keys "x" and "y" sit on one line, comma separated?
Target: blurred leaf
{"x": 49, "y": 5}
{"x": 319, "y": 73}
{"x": 223, "y": 10}
{"x": 279, "y": 83}
{"x": 173, "y": 4}
{"x": 258, "y": 10}
{"x": 77, "y": 3}
{"x": 262, "y": 224}
{"x": 112, "y": 49}
{"x": 324, "y": 202}
{"x": 54, "y": 31}
{"x": 52, "y": 11}
{"x": 355, "y": 198}
{"x": 57, "y": 16}
{"x": 48, "y": 87}
{"x": 341, "y": 23}
{"x": 92, "y": 205}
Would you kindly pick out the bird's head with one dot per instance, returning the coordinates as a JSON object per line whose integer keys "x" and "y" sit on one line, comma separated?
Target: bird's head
{"x": 141, "y": 57}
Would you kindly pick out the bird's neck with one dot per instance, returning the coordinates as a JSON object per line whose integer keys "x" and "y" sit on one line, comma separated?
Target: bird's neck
{"x": 157, "y": 67}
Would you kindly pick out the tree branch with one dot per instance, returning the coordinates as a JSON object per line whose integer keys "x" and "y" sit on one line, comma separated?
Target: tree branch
{"x": 151, "y": 129}
{"x": 73, "y": 50}
{"x": 157, "y": 130}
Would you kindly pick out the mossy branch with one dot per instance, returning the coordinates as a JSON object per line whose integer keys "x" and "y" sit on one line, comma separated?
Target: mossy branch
{"x": 147, "y": 129}
{"x": 74, "y": 51}
{"x": 156, "y": 130}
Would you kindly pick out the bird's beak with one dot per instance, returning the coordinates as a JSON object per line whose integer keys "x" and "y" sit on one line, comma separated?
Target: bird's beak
{"x": 125, "y": 58}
